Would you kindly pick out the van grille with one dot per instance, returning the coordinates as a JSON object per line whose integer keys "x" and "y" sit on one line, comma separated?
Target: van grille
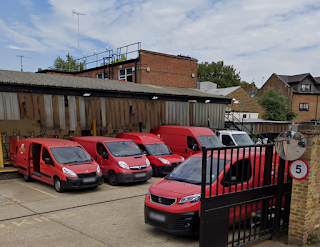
{"x": 175, "y": 164}
{"x": 162, "y": 200}
{"x": 87, "y": 175}
{"x": 135, "y": 168}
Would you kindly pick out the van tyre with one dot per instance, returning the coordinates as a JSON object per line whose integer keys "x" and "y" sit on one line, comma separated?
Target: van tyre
{"x": 26, "y": 178}
{"x": 112, "y": 178}
{"x": 58, "y": 185}
{"x": 155, "y": 171}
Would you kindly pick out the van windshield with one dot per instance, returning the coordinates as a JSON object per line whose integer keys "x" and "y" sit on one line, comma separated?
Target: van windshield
{"x": 123, "y": 148}
{"x": 190, "y": 171}
{"x": 158, "y": 149}
{"x": 242, "y": 139}
{"x": 210, "y": 141}
{"x": 69, "y": 155}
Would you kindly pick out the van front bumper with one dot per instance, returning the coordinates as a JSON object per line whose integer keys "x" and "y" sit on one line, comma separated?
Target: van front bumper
{"x": 177, "y": 223}
{"x": 81, "y": 183}
{"x": 134, "y": 176}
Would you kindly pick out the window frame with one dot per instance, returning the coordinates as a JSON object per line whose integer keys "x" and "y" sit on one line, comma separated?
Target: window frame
{"x": 303, "y": 106}
{"x": 125, "y": 76}
{"x": 306, "y": 88}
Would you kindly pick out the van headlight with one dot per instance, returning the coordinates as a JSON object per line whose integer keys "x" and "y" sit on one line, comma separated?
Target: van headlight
{"x": 191, "y": 198}
{"x": 123, "y": 165}
{"x": 68, "y": 171}
{"x": 147, "y": 162}
{"x": 98, "y": 169}
{"x": 164, "y": 161}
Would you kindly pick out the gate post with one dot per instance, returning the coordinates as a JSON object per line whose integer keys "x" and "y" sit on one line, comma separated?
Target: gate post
{"x": 305, "y": 202}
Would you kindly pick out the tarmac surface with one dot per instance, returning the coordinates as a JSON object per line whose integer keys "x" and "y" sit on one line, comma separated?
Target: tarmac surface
{"x": 34, "y": 214}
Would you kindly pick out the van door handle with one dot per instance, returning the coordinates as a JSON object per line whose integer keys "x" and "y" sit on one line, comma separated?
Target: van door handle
{"x": 185, "y": 150}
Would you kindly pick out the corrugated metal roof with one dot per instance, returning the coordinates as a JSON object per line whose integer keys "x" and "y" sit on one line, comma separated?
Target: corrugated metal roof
{"x": 71, "y": 82}
{"x": 223, "y": 91}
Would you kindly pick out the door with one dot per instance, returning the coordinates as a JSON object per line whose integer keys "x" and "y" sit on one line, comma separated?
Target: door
{"x": 102, "y": 157}
{"x": 46, "y": 166}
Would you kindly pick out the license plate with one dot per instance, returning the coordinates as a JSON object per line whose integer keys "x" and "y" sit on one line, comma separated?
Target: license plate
{"x": 157, "y": 217}
{"x": 89, "y": 180}
{"x": 140, "y": 175}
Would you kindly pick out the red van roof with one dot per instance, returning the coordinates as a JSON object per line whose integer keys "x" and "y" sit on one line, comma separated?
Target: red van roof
{"x": 197, "y": 131}
{"x": 98, "y": 139}
{"x": 146, "y": 138}
{"x": 51, "y": 142}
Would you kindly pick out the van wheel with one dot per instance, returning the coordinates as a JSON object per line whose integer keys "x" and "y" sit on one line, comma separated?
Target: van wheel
{"x": 155, "y": 171}
{"x": 26, "y": 178}
{"x": 58, "y": 185}
{"x": 112, "y": 178}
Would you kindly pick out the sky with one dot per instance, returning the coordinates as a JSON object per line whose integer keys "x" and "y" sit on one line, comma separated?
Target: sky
{"x": 256, "y": 37}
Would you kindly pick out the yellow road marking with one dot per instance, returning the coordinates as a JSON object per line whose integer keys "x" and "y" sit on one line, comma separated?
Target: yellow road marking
{"x": 36, "y": 189}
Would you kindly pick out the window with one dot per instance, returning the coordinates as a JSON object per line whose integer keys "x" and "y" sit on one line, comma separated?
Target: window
{"x": 100, "y": 76}
{"x": 45, "y": 154}
{"x": 101, "y": 150}
{"x": 191, "y": 142}
{"x": 240, "y": 172}
{"x": 304, "y": 106}
{"x": 305, "y": 88}
{"x": 226, "y": 140}
{"x": 125, "y": 74}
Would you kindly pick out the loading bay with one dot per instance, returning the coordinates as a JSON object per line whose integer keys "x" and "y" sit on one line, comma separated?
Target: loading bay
{"x": 34, "y": 214}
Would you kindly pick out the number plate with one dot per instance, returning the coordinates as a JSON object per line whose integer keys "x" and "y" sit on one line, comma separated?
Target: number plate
{"x": 89, "y": 180}
{"x": 140, "y": 175}
{"x": 157, "y": 217}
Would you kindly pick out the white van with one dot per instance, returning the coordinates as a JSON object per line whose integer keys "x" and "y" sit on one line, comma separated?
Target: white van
{"x": 234, "y": 138}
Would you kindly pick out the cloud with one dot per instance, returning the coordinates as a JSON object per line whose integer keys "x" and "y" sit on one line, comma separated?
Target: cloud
{"x": 257, "y": 37}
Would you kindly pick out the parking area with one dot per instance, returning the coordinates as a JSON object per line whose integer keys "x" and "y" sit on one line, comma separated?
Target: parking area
{"x": 34, "y": 214}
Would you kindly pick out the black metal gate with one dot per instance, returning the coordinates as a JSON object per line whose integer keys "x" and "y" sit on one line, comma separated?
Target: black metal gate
{"x": 245, "y": 195}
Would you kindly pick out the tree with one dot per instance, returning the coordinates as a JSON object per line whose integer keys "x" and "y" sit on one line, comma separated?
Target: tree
{"x": 277, "y": 105}
{"x": 222, "y": 75}
{"x": 70, "y": 64}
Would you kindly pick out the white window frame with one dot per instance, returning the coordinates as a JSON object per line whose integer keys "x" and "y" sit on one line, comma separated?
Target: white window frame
{"x": 305, "y": 87}
{"x": 126, "y": 74}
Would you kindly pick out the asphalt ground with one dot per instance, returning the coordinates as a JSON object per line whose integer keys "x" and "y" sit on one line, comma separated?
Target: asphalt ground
{"x": 34, "y": 214}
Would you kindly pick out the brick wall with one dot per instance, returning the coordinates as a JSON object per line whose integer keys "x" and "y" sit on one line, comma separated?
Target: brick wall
{"x": 246, "y": 102}
{"x": 167, "y": 70}
{"x": 314, "y": 107}
{"x": 305, "y": 202}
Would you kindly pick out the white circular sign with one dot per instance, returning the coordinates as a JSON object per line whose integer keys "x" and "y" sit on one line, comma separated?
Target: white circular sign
{"x": 299, "y": 169}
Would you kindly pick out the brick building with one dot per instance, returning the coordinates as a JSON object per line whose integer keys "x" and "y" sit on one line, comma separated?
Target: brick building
{"x": 303, "y": 90}
{"x": 146, "y": 67}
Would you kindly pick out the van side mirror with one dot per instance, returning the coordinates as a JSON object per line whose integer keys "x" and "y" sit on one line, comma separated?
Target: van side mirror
{"x": 48, "y": 161}
{"x": 232, "y": 181}
{"x": 105, "y": 155}
{"x": 196, "y": 147}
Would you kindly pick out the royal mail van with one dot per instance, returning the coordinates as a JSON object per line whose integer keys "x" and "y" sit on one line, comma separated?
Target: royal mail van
{"x": 173, "y": 203}
{"x": 61, "y": 163}
{"x": 121, "y": 160}
{"x": 187, "y": 140}
{"x": 160, "y": 156}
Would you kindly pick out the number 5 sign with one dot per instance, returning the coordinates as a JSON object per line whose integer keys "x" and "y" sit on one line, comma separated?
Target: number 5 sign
{"x": 299, "y": 169}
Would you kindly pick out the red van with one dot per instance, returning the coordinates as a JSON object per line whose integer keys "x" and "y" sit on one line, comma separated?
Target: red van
{"x": 160, "y": 156}
{"x": 61, "y": 163}
{"x": 173, "y": 203}
{"x": 121, "y": 160}
{"x": 187, "y": 140}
